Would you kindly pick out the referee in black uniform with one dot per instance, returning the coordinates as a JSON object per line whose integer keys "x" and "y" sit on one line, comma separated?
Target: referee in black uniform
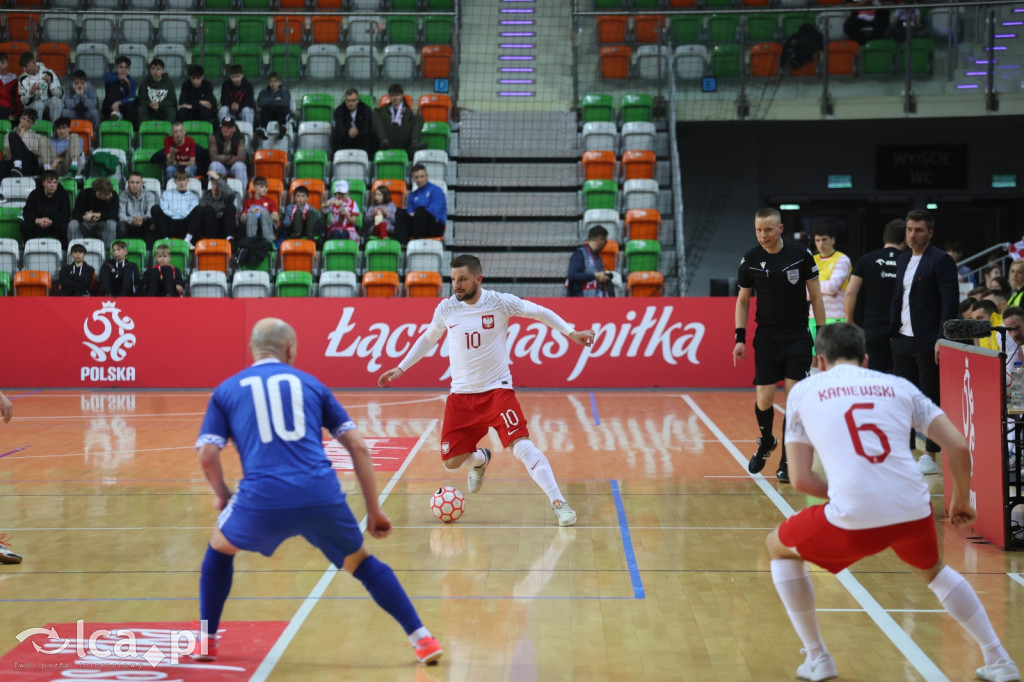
{"x": 784, "y": 275}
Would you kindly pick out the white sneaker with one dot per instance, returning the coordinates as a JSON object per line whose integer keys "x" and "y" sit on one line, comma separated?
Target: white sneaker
{"x": 6, "y": 555}
{"x": 1003, "y": 670}
{"x": 564, "y": 513}
{"x": 927, "y": 465}
{"x": 475, "y": 477}
{"x": 821, "y": 668}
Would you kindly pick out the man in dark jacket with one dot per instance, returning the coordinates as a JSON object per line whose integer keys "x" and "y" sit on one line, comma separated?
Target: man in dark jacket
{"x": 47, "y": 210}
{"x": 353, "y": 125}
{"x": 396, "y": 125}
{"x": 587, "y": 275}
{"x": 95, "y": 213}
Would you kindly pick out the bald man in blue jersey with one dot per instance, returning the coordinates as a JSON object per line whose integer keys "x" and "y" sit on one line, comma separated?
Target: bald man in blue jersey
{"x": 275, "y": 414}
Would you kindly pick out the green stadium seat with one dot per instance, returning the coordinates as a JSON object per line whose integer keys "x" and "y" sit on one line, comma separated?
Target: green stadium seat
{"x": 10, "y": 223}
{"x": 294, "y": 284}
{"x": 152, "y": 134}
{"x": 199, "y": 131}
{"x": 878, "y": 58}
{"x": 117, "y": 135}
{"x": 636, "y": 107}
{"x": 211, "y": 57}
{"x": 922, "y": 54}
{"x": 610, "y": 4}
{"x": 286, "y": 60}
{"x": 722, "y": 28}
{"x": 716, "y": 4}
{"x": 70, "y": 186}
{"x": 598, "y": 108}
{"x": 686, "y": 30}
{"x": 403, "y": 30}
{"x": 264, "y": 265}
{"x": 438, "y": 30}
{"x": 761, "y": 28}
{"x": 383, "y": 255}
{"x": 317, "y": 106}
{"x": 645, "y": 4}
{"x": 219, "y": 4}
{"x": 179, "y": 252}
{"x": 141, "y": 163}
{"x": 311, "y": 164}
{"x": 404, "y": 5}
{"x": 599, "y": 194}
{"x": 136, "y": 252}
{"x": 43, "y": 127}
{"x": 251, "y": 30}
{"x": 5, "y": 284}
{"x": 357, "y": 190}
{"x": 725, "y": 63}
{"x": 642, "y": 254}
{"x": 791, "y": 23}
{"x": 255, "y": 4}
{"x": 390, "y": 164}
{"x": 439, "y": 5}
{"x": 213, "y": 30}
{"x": 250, "y": 58}
{"x": 340, "y": 254}
{"x": 435, "y": 135}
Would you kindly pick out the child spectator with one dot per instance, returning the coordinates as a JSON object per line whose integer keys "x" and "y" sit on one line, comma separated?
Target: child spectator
{"x": 275, "y": 106}
{"x": 219, "y": 215}
{"x": 163, "y": 279}
{"x": 10, "y": 104}
{"x": 81, "y": 101}
{"x": 95, "y": 212}
{"x": 69, "y": 148}
{"x": 380, "y": 215}
{"x": 236, "y": 96}
{"x": 47, "y": 210}
{"x": 342, "y": 213}
{"x": 118, "y": 276}
{"x": 136, "y": 215}
{"x": 197, "y": 100}
{"x": 156, "y": 99}
{"x": 396, "y": 125}
{"x": 301, "y": 220}
{"x": 75, "y": 279}
{"x": 259, "y": 213}
{"x": 178, "y": 215}
{"x": 120, "y": 90}
{"x": 180, "y": 150}
{"x": 39, "y": 88}
{"x": 26, "y": 152}
{"x": 227, "y": 151}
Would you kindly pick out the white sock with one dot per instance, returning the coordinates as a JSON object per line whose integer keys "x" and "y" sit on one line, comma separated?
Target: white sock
{"x": 539, "y": 468}
{"x": 961, "y": 601}
{"x": 475, "y": 459}
{"x": 418, "y": 634}
{"x": 797, "y": 593}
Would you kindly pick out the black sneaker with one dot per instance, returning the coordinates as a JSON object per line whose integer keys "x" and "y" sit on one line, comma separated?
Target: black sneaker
{"x": 760, "y": 457}
{"x": 782, "y": 475}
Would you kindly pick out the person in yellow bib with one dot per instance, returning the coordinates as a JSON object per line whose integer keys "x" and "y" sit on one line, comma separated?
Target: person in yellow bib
{"x": 834, "y": 274}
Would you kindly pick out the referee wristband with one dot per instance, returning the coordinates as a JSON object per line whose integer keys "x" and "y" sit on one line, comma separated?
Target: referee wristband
{"x": 741, "y": 335}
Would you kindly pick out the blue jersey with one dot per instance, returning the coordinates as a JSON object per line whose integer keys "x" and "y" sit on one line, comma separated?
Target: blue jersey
{"x": 275, "y": 414}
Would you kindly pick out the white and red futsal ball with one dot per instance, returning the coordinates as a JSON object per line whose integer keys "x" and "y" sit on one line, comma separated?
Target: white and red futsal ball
{"x": 447, "y": 504}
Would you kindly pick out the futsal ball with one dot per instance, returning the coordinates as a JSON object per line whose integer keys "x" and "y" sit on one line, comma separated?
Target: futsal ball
{"x": 447, "y": 504}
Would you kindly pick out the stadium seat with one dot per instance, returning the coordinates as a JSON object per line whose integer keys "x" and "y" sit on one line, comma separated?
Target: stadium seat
{"x": 598, "y": 165}
{"x": 92, "y": 57}
{"x": 399, "y": 63}
{"x": 842, "y": 57}
{"x": 638, "y": 135}
{"x": 175, "y": 29}
{"x": 194, "y": 186}
{"x": 435, "y": 161}
{"x": 96, "y": 28}
{"x": 43, "y": 254}
{"x": 423, "y": 284}
{"x": 435, "y": 135}
{"x": 250, "y": 58}
{"x": 642, "y": 254}
{"x": 611, "y": 28}
{"x": 390, "y": 163}
{"x": 117, "y": 135}
{"x": 17, "y": 188}
{"x": 251, "y": 30}
{"x": 95, "y": 252}
{"x": 5, "y": 283}
{"x": 691, "y": 62}
{"x": 199, "y": 131}
{"x": 323, "y": 62}
{"x": 791, "y": 22}
{"x": 723, "y": 28}
{"x": 56, "y": 56}
{"x": 250, "y": 284}
{"x": 647, "y": 27}
{"x": 340, "y": 255}
{"x": 286, "y": 60}
{"x": 600, "y": 136}
{"x": 615, "y": 62}
{"x": 338, "y": 283}
{"x": 357, "y": 190}
{"x": 315, "y": 135}
{"x": 326, "y": 30}
{"x": 599, "y": 194}
{"x": 643, "y": 223}
{"x": 32, "y": 283}
{"x": 605, "y": 217}
{"x": 397, "y": 188}
{"x": 640, "y": 194}
{"x": 383, "y": 254}
{"x": 645, "y": 283}
{"x": 298, "y": 255}
{"x": 317, "y": 106}
{"x": 764, "y": 60}
{"x": 294, "y": 284}
{"x": 329, "y": 4}
{"x": 175, "y": 58}
{"x": 597, "y": 107}
{"x": 834, "y": 22}
{"x": 424, "y": 254}
{"x": 270, "y": 163}
{"x": 10, "y": 223}
{"x": 403, "y": 30}
{"x": 213, "y": 254}
{"x": 136, "y": 252}
{"x": 56, "y": 28}
{"x": 70, "y": 186}
{"x": 638, "y": 164}
{"x": 438, "y": 30}
{"x": 210, "y": 57}
{"x": 152, "y": 134}
{"x": 436, "y": 61}
{"x": 10, "y": 255}
{"x": 726, "y": 61}
{"x": 310, "y": 164}
{"x": 636, "y": 107}
{"x": 180, "y": 252}
{"x": 25, "y": 27}
{"x": 436, "y": 108}
{"x": 84, "y": 130}
{"x": 141, "y": 163}
{"x": 922, "y": 56}
{"x": 610, "y": 255}
{"x": 289, "y": 30}
{"x": 761, "y": 28}
{"x": 878, "y": 58}
{"x": 362, "y": 62}
{"x": 213, "y": 30}
{"x": 350, "y": 163}
{"x": 43, "y": 127}
{"x": 686, "y": 30}
{"x": 139, "y": 54}
{"x": 380, "y": 284}
{"x": 208, "y": 284}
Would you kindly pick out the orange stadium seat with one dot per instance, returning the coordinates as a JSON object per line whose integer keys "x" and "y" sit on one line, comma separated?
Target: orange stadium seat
{"x": 292, "y": 4}
{"x": 330, "y": 4}
{"x": 32, "y": 283}
{"x": 378, "y": 284}
{"x": 764, "y": 59}
{"x": 423, "y": 284}
{"x": 598, "y": 165}
{"x": 682, "y": 4}
{"x": 289, "y": 29}
{"x": 638, "y": 164}
{"x": 610, "y": 255}
{"x": 842, "y": 57}
{"x": 298, "y": 255}
{"x": 327, "y": 30}
{"x": 14, "y": 49}
{"x": 270, "y": 163}
{"x": 56, "y": 56}
{"x": 316, "y": 190}
{"x": 645, "y": 283}
{"x": 21, "y": 27}
{"x": 396, "y": 187}
{"x": 436, "y": 61}
{"x": 385, "y": 99}
{"x": 648, "y": 27}
{"x": 611, "y": 29}
{"x": 643, "y": 223}
{"x": 615, "y": 62}
{"x": 213, "y": 254}
{"x": 437, "y": 108}
{"x": 84, "y": 130}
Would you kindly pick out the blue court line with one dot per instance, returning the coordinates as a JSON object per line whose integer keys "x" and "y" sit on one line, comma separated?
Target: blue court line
{"x": 25, "y": 395}
{"x": 627, "y": 544}
{"x": 593, "y": 408}
{"x": 11, "y": 452}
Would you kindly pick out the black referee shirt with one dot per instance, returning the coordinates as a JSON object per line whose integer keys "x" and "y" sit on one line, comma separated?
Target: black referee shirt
{"x": 878, "y": 270}
{"x": 778, "y": 280}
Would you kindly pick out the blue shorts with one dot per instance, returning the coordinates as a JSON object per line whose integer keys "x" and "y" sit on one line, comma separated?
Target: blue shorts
{"x": 331, "y": 528}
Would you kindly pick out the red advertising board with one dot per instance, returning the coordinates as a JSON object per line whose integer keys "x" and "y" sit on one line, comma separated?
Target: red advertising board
{"x": 972, "y": 384}
{"x": 349, "y": 342}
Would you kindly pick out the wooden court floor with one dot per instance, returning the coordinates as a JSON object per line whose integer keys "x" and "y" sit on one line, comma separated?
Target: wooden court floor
{"x": 665, "y": 577}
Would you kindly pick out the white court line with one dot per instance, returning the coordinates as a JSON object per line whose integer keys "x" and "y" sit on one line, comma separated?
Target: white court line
{"x": 1017, "y": 578}
{"x": 104, "y": 454}
{"x": 913, "y": 653}
{"x": 277, "y": 651}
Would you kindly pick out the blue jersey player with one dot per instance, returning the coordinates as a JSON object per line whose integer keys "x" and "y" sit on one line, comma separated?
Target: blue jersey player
{"x": 275, "y": 414}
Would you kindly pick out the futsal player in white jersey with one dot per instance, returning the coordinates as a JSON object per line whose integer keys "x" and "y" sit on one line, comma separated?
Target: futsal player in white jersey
{"x": 482, "y": 395}
{"x": 857, "y": 420}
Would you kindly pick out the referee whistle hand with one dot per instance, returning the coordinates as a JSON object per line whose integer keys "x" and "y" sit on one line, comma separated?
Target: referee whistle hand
{"x": 739, "y": 352}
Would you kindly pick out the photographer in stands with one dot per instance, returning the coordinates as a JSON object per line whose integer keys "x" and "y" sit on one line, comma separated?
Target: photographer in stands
{"x": 587, "y": 276}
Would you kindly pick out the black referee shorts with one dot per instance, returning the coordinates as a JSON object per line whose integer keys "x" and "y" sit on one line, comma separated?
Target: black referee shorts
{"x": 779, "y": 356}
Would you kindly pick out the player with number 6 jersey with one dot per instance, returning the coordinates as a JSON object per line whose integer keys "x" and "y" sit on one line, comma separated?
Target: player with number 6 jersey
{"x": 482, "y": 396}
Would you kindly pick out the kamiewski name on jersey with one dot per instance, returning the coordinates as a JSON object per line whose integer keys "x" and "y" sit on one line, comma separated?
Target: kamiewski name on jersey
{"x": 874, "y": 391}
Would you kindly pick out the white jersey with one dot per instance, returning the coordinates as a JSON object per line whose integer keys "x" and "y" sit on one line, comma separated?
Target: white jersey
{"x": 859, "y": 421}
{"x": 477, "y": 338}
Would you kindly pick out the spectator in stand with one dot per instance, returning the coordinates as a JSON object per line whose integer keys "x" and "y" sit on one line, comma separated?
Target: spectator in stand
{"x": 236, "y": 96}
{"x": 227, "y": 151}
{"x": 95, "y": 213}
{"x": 10, "y": 104}
{"x": 197, "y": 101}
{"x": 118, "y": 276}
{"x": 259, "y": 213}
{"x": 301, "y": 220}
{"x": 999, "y": 298}
{"x": 75, "y": 278}
{"x": 987, "y": 311}
{"x": 956, "y": 251}
{"x": 163, "y": 279}
{"x": 156, "y": 100}
{"x": 342, "y": 213}
{"x": 275, "y": 104}
{"x": 120, "y": 90}
{"x": 993, "y": 278}
{"x": 136, "y": 216}
{"x": 219, "y": 217}
{"x": 867, "y": 22}
{"x": 26, "y": 152}
{"x": 1016, "y": 280}
{"x": 426, "y": 211}
{"x": 833, "y": 273}
{"x": 47, "y": 210}
{"x": 587, "y": 276}
{"x": 81, "y": 101}
{"x": 178, "y": 214}
{"x": 180, "y": 152}
{"x": 39, "y": 88}
{"x": 380, "y": 215}
{"x": 353, "y": 125}
{"x": 69, "y": 148}
{"x": 396, "y": 125}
